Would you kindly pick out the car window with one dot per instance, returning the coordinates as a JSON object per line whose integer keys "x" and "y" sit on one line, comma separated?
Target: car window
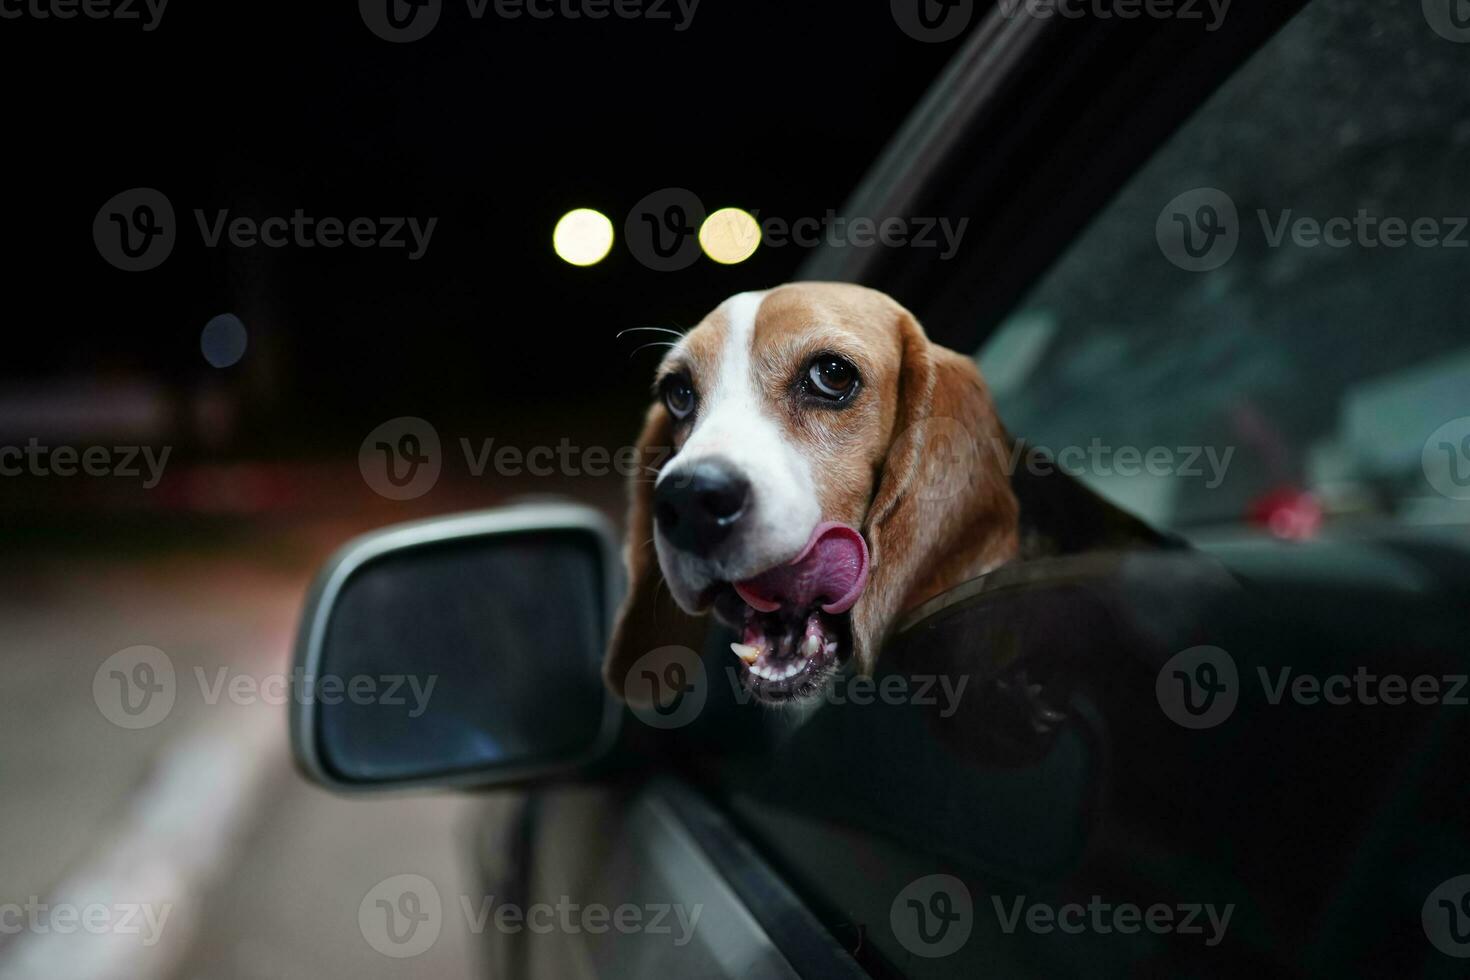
{"x": 1271, "y": 314}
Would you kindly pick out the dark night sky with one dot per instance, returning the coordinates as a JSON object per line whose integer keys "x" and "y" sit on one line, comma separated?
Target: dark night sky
{"x": 495, "y": 127}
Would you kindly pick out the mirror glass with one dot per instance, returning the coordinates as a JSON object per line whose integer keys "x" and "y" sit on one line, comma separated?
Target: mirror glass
{"x": 472, "y": 655}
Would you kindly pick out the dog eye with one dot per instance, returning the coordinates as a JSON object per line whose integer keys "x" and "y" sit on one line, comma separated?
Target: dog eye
{"x": 832, "y": 377}
{"x": 678, "y": 397}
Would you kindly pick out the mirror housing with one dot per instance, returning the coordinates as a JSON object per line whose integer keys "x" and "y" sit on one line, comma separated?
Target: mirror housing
{"x": 459, "y": 651}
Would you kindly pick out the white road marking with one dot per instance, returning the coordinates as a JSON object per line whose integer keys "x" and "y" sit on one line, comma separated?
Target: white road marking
{"x": 180, "y": 831}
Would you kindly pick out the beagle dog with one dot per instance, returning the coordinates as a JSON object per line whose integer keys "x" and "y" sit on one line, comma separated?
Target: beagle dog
{"x": 815, "y": 467}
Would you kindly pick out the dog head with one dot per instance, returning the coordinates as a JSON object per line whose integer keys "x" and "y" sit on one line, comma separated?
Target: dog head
{"x": 813, "y": 467}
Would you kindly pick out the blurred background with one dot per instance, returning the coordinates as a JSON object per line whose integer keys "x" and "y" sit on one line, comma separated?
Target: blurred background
{"x": 491, "y": 128}
{"x": 231, "y": 389}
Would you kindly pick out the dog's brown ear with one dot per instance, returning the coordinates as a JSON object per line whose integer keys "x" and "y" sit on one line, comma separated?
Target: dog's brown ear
{"x": 648, "y": 619}
{"x": 943, "y": 511}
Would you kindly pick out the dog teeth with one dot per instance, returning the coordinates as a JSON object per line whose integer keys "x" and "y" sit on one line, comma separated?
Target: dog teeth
{"x": 749, "y": 654}
{"x": 768, "y": 672}
{"x": 813, "y": 644}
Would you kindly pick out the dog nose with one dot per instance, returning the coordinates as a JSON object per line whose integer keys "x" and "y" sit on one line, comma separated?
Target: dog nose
{"x": 698, "y": 508}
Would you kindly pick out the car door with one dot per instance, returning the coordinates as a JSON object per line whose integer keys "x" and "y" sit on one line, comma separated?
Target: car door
{"x": 1230, "y": 747}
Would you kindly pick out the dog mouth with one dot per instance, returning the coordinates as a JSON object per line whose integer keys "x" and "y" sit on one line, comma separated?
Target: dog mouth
{"x": 795, "y": 631}
{"x": 787, "y": 658}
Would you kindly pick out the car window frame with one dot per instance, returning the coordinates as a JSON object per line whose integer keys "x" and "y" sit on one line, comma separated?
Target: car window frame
{"x": 1031, "y": 129}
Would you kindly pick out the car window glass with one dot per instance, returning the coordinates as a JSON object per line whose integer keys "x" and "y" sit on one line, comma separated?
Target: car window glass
{"x": 1275, "y": 303}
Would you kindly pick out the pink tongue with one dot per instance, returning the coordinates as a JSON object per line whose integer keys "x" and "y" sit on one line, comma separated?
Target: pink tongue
{"x": 832, "y": 569}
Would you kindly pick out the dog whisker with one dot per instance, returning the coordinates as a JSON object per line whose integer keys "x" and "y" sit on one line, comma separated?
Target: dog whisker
{"x": 671, "y": 333}
{"x": 656, "y": 343}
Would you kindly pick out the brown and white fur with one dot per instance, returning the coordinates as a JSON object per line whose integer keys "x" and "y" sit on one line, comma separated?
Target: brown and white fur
{"x": 872, "y": 463}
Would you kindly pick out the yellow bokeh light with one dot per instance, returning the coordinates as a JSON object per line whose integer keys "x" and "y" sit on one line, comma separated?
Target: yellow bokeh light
{"x": 730, "y": 235}
{"x": 583, "y": 237}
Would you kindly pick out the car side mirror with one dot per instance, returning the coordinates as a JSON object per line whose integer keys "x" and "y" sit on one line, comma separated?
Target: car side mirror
{"x": 462, "y": 650}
